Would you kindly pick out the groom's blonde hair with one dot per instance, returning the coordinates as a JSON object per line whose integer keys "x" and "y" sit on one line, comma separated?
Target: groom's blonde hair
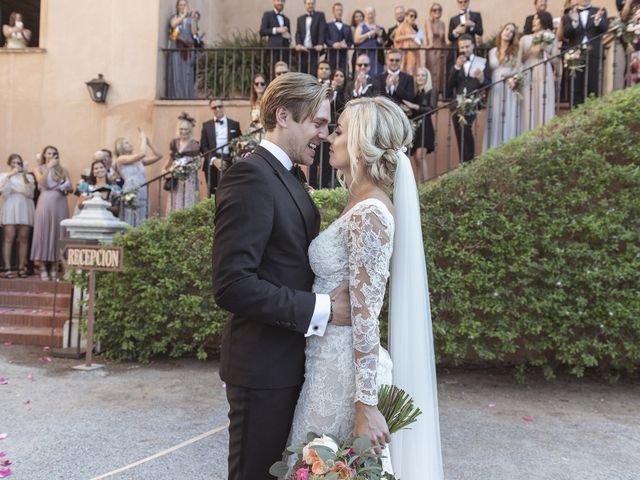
{"x": 299, "y": 93}
{"x": 377, "y": 130}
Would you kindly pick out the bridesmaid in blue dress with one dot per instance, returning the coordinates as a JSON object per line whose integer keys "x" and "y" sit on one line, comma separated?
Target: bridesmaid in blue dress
{"x": 183, "y": 27}
{"x": 368, "y": 37}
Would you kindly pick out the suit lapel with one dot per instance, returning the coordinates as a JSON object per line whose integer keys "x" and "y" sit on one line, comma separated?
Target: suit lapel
{"x": 302, "y": 200}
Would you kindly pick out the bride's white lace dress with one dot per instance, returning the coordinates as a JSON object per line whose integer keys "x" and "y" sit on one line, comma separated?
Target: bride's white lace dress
{"x": 347, "y": 364}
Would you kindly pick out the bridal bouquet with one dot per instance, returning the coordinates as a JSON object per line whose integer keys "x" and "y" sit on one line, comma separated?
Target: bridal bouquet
{"x": 467, "y": 105}
{"x": 184, "y": 167}
{"x": 574, "y": 59}
{"x": 130, "y": 199}
{"x": 629, "y": 31}
{"x": 243, "y": 145}
{"x": 516, "y": 83}
{"x": 324, "y": 458}
{"x": 544, "y": 38}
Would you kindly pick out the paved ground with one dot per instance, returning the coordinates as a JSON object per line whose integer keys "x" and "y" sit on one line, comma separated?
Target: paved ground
{"x": 65, "y": 424}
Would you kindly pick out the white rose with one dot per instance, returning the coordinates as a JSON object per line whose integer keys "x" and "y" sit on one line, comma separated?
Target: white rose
{"x": 323, "y": 441}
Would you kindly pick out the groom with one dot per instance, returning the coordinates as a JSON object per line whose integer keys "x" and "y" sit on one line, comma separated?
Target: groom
{"x": 264, "y": 223}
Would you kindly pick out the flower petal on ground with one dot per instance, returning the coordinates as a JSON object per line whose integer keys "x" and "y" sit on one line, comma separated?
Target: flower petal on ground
{"x": 5, "y": 472}
{"x": 527, "y": 418}
{"x": 45, "y": 359}
{"x": 3, "y": 381}
{"x": 3, "y": 436}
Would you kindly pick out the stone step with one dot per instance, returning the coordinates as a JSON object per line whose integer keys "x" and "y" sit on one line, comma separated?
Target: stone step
{"x": 35, "y": 285}
{"x": 33, "y": 317}
{"x": 23, "y": 335}
{"x": 20, "y": 299}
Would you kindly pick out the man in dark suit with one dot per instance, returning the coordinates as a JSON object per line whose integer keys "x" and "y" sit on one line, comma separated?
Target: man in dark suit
{"x": 582, "y": 26}
{"x": 398, "y": 13}
{"x": 465, "y": 21}
{"x": 276, "y": 26}
{"x": 469, "y": 74}
{"x": 311, "y": 32}
{"x": 541, "y": 6}
{"x": 362, "y": 83}
{"x": 339, "y": 39}
{"x": 216, "y": 133}
{"x": 393, "y": 83}
{"x": 264, "y": 223}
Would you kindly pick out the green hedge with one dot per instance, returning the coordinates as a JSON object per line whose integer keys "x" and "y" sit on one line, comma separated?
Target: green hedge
{"x": 533, "y": 254}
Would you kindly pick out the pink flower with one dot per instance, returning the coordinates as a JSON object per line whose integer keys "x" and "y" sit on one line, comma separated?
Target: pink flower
{"x": 5, "y": 472}
{"x": 302, "y": 474}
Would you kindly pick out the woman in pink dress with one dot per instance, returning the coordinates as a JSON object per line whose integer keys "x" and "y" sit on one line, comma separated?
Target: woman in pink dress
{"x": 55, "y": 184}
{"x": 435, "y": 41}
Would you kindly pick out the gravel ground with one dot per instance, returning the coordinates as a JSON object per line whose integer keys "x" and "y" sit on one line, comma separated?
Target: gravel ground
{"x": 67, "y": 424}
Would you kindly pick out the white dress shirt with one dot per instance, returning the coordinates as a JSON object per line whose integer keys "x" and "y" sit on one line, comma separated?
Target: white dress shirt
{"x": 222, "y": 134}
{"x": 322, "y": 309}
{"x": 280, "y": 18}
{"x": 307, "y": 35}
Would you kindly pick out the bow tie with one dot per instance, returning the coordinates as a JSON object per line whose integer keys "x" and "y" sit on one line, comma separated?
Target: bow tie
{"x": 463, "y": 12}
{"x": 297, "y": 172}
{"x": 220, "y": 122}
{"x": 309, "y": 14}
{"x": 584, "y": 9}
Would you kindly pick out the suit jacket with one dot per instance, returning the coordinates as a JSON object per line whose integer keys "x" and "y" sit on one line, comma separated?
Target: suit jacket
{"x": 404, "y": 91}
{"x": 318, "y": 29}
{"x": 335, "y": 34}
{"x": 208, "y": 137}
{"x": 268, "y": 23}
{"x": 574, "y": 36}
{"x": 264, "y": 223}
{"x": 528, "y": 25}
{"x": 458, "y": 80}
{"x": 455, "y": 21}
{"x": 348, "y": 91}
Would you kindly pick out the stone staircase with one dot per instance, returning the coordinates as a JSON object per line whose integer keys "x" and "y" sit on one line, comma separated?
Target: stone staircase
{"x": 27, "y": 315}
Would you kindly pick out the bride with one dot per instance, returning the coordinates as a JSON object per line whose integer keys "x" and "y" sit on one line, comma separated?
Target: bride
{"x": 345, "y": 367}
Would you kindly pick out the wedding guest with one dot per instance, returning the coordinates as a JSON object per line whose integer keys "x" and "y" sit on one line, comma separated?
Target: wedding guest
{"x": 399, "y": 14}
{"x": 17, "y": 190}
{"x": 368, "y": 37}
{"x": 425, "y": 136}
{"x": 185, "y": 158}
{"x": 280, "y": 68}
{"x": 394, "y": 83}
{"x": 258, "y": 86}
{"x": 627, "y": 8}
{"x": 469, "y": 74}
{"x": 181, "y": 63}
{"x": 585, "y": 24}
{"x": 356, "y": 19}
{"x": 131, "y": 168}
{"x": 362, "y": 84}
{"x": 465, "y": 21}
{"x": 323, "y": 72}
{"x": 339, "y": 39}
{"x": 502, "y": 116}
{"x": 276, "y": 26}
{"x": 338, "y": 85}
{"x": 540, "y": 6}
{"x": 215, "y": 133}
{"x": 405, "y": 38}
{"x": 55, "y": 184}
{"x": 16, "y": 36}
{"x": 98, "y": 182}
{"x": 310, "y": 37}
{"x": 435, "y": 41}
{"x": 538, "y": 93}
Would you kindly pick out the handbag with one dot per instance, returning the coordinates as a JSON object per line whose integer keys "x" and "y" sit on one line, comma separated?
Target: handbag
{"x": 170, "y": 183}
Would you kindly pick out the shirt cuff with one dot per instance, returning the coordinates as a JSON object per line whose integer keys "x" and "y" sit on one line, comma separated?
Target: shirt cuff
{"x": 320, "y": 317}
{"x": 273, "y": 32}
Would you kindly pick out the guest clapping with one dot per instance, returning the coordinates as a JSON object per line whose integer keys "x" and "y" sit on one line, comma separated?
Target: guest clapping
{"x": 55, "y": 184}
{"x": 130, "y": 167}
{"x": 184, "y": 164}
{"x": 15, "y": 34}
{"x": 17, "y": 189}
{"x": 406, "y": 37}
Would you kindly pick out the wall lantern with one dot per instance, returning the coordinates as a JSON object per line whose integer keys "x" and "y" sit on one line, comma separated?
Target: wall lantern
{"x": 98, "y": 89}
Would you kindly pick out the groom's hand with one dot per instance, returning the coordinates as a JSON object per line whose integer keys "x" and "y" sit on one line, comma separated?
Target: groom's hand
{"x": 341, "y": 305}
{"x": 370, "y": 422}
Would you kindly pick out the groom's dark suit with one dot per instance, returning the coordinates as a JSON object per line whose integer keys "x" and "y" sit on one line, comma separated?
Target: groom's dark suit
{"x": 265, "y": 221}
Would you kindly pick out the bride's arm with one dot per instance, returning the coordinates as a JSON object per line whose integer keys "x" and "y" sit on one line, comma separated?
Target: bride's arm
{"x": 369, "y": 255}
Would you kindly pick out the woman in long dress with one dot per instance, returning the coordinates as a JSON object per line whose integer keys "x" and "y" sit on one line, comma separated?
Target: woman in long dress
{"x": 258, "y": 86}
{"x": 185, "y": 153}
{"x": 367, "y": 37}
{"x": 55, "y": 184}
{"x": 14, "y": 33}
{"x": 405, "y": 38}
{"x": 345, "y": 367}
{"x": 503, "y": 111}
{"x": 183, "y": 27}
{"x": 425, "y": 135}
{"x": 538, "y": 92}
{"x": 131, "y": 168}
{"x": 435, "y": 39}
{"x": 17, "y": 190}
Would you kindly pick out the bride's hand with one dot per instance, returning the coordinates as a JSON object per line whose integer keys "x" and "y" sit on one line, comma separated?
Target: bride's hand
{"x": 341, "y": 305}
{"x": 370, "y": 422}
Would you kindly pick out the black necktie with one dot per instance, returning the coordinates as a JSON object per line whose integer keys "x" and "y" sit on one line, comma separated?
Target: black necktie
{"x": 297, "y": 172}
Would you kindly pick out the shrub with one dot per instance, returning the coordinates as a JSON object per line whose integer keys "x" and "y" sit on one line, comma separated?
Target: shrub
{"x": 533, "y": 256}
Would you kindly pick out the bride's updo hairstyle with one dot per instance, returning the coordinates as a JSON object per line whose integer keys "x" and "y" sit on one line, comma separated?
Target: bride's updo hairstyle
{"x": 378, "y": 130}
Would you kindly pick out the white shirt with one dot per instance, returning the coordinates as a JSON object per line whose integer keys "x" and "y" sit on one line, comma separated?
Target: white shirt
{"x": 322, "y": 309}
{"x": 280, "y": 17}
{"x": 307, "y": 35}
{"x": 222, "y": 134}
{"x": 338, "y": 25}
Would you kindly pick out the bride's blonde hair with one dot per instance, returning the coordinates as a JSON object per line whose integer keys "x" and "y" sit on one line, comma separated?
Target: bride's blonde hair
{"x": 378, "y": 129}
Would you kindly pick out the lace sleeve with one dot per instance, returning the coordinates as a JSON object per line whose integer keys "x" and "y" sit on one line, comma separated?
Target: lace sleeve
{"x": 370, "y": 241}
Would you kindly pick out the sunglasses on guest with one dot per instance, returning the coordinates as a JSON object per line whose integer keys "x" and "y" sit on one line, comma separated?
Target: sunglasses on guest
{"x": 259, "y": 84}
{"x": 362, "y": 64}
{"x": 217, "y": 107}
